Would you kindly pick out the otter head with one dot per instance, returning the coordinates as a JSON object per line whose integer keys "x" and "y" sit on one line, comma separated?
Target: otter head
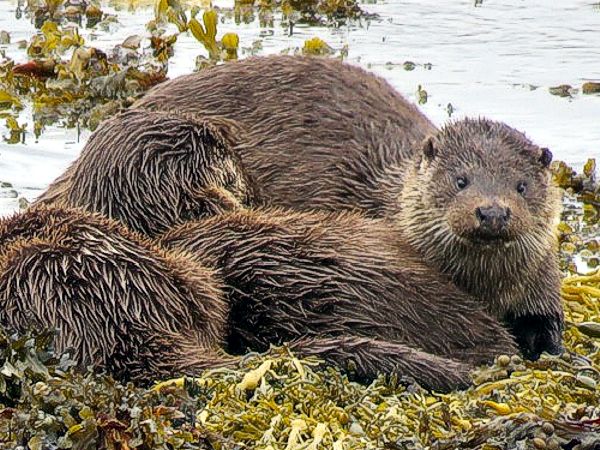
{"x": 484, "y": 185}
{"x": 152, "y": 170}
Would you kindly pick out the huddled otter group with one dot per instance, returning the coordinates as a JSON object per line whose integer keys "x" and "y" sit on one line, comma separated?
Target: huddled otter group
{"x": 233, "y": 209}
{"x": 327, "y": 135}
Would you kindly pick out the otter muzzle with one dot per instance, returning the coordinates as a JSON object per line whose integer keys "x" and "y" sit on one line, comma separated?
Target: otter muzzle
{"x": 492, "y": 220}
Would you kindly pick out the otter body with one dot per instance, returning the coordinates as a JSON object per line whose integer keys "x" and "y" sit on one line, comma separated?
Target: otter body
{"x": 322, "y": 134}
{"x": 119, "y": 302}
{"x": 326, "y": 284}
{"x": 312, "y": 126}
{"x": 154, "y": 170}
{"x": 330, "y": 284}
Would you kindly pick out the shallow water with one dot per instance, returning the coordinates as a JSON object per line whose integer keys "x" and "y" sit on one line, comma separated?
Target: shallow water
{"x": 496, "y": 60}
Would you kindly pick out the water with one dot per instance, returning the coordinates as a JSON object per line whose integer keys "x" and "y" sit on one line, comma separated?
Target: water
{"x": 497, "y": 60}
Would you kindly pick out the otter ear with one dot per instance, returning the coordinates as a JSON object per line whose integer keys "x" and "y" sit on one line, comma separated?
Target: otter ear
{"x": 545, "y": 157}
{"x": 428, "y": 148}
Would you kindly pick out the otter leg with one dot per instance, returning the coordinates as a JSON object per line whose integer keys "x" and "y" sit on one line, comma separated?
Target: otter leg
{"x": 537, "y": 319}
{"x": 366, "y": 358}
{"x": 537, "y": 333}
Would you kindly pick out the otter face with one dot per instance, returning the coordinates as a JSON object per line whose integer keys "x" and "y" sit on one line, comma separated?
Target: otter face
{"x": 487, "y": 182}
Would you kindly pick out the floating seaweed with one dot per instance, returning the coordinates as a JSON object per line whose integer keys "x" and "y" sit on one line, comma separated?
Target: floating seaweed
{"x": 563, "y": 90}
{"x": 69, "y": 81}
{"x": 579, "y": 230}
{"x": 591, "y": 87}
{"x": 321, "y": 12}
{"x": 316, "y": 46}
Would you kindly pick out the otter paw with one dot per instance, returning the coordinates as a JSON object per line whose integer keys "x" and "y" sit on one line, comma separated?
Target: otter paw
{"x": 536, "y": 334}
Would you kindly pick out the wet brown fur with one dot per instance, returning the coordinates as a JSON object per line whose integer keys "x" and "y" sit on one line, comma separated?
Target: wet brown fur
{"x": 119, "y": 302}
{"x": 312, "y": 125}
{"x": 154, "y": 170}
{"x": 329, "y": 283}
{"x": 322, "y": 134}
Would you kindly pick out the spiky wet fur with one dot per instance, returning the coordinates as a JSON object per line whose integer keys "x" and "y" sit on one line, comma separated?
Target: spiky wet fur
{"x": 326, "y": 284}
{"x": 334, "y": 281}
{"x": 119, "y": 303}
{"x": 154, "y": 170}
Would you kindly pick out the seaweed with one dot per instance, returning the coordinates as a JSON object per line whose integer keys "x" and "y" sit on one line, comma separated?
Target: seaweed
{"x": 563, "y": 90}
{"x": 47, "y": 404}
{"x": 316, "y": 46}
{"x": 321, "y": 12}
{"x": 590, "y": 87}
{"x": 579, "y": 230}
{"x": 68, "y": 81}
{"x": 225, "y": 49}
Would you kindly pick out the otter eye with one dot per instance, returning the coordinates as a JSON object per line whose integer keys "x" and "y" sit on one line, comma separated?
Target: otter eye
{"x": 522, "y": 188}
{"x": 462, "y": 182}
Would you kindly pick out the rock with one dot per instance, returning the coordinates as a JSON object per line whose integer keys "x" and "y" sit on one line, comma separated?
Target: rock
{"x": 563, "y": 90}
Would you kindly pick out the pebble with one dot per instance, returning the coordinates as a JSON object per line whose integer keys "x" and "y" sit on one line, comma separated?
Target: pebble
{"x": 503, "y": 360}
{"x": 539, "y": 443}
{"x": 548, "y": 428}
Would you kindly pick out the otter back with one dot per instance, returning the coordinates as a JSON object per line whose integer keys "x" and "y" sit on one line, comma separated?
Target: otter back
{"x": 313, "y": 125}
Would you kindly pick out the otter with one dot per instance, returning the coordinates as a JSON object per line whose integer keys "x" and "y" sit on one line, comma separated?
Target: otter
{"x": 119, "y": 302}
{"x": 154, "y": 170}
{"x": 480, "y": 205}
{"x": 474, "y": 198}
{"x": 332, "y": 284}
{"x": 133, "y": 308}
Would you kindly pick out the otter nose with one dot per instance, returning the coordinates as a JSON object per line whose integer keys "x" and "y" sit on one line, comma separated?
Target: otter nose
{"x": 493, "y": 217}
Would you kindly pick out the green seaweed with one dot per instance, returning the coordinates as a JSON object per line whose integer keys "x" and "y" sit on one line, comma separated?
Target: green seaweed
{"x": 316, "y": 47}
